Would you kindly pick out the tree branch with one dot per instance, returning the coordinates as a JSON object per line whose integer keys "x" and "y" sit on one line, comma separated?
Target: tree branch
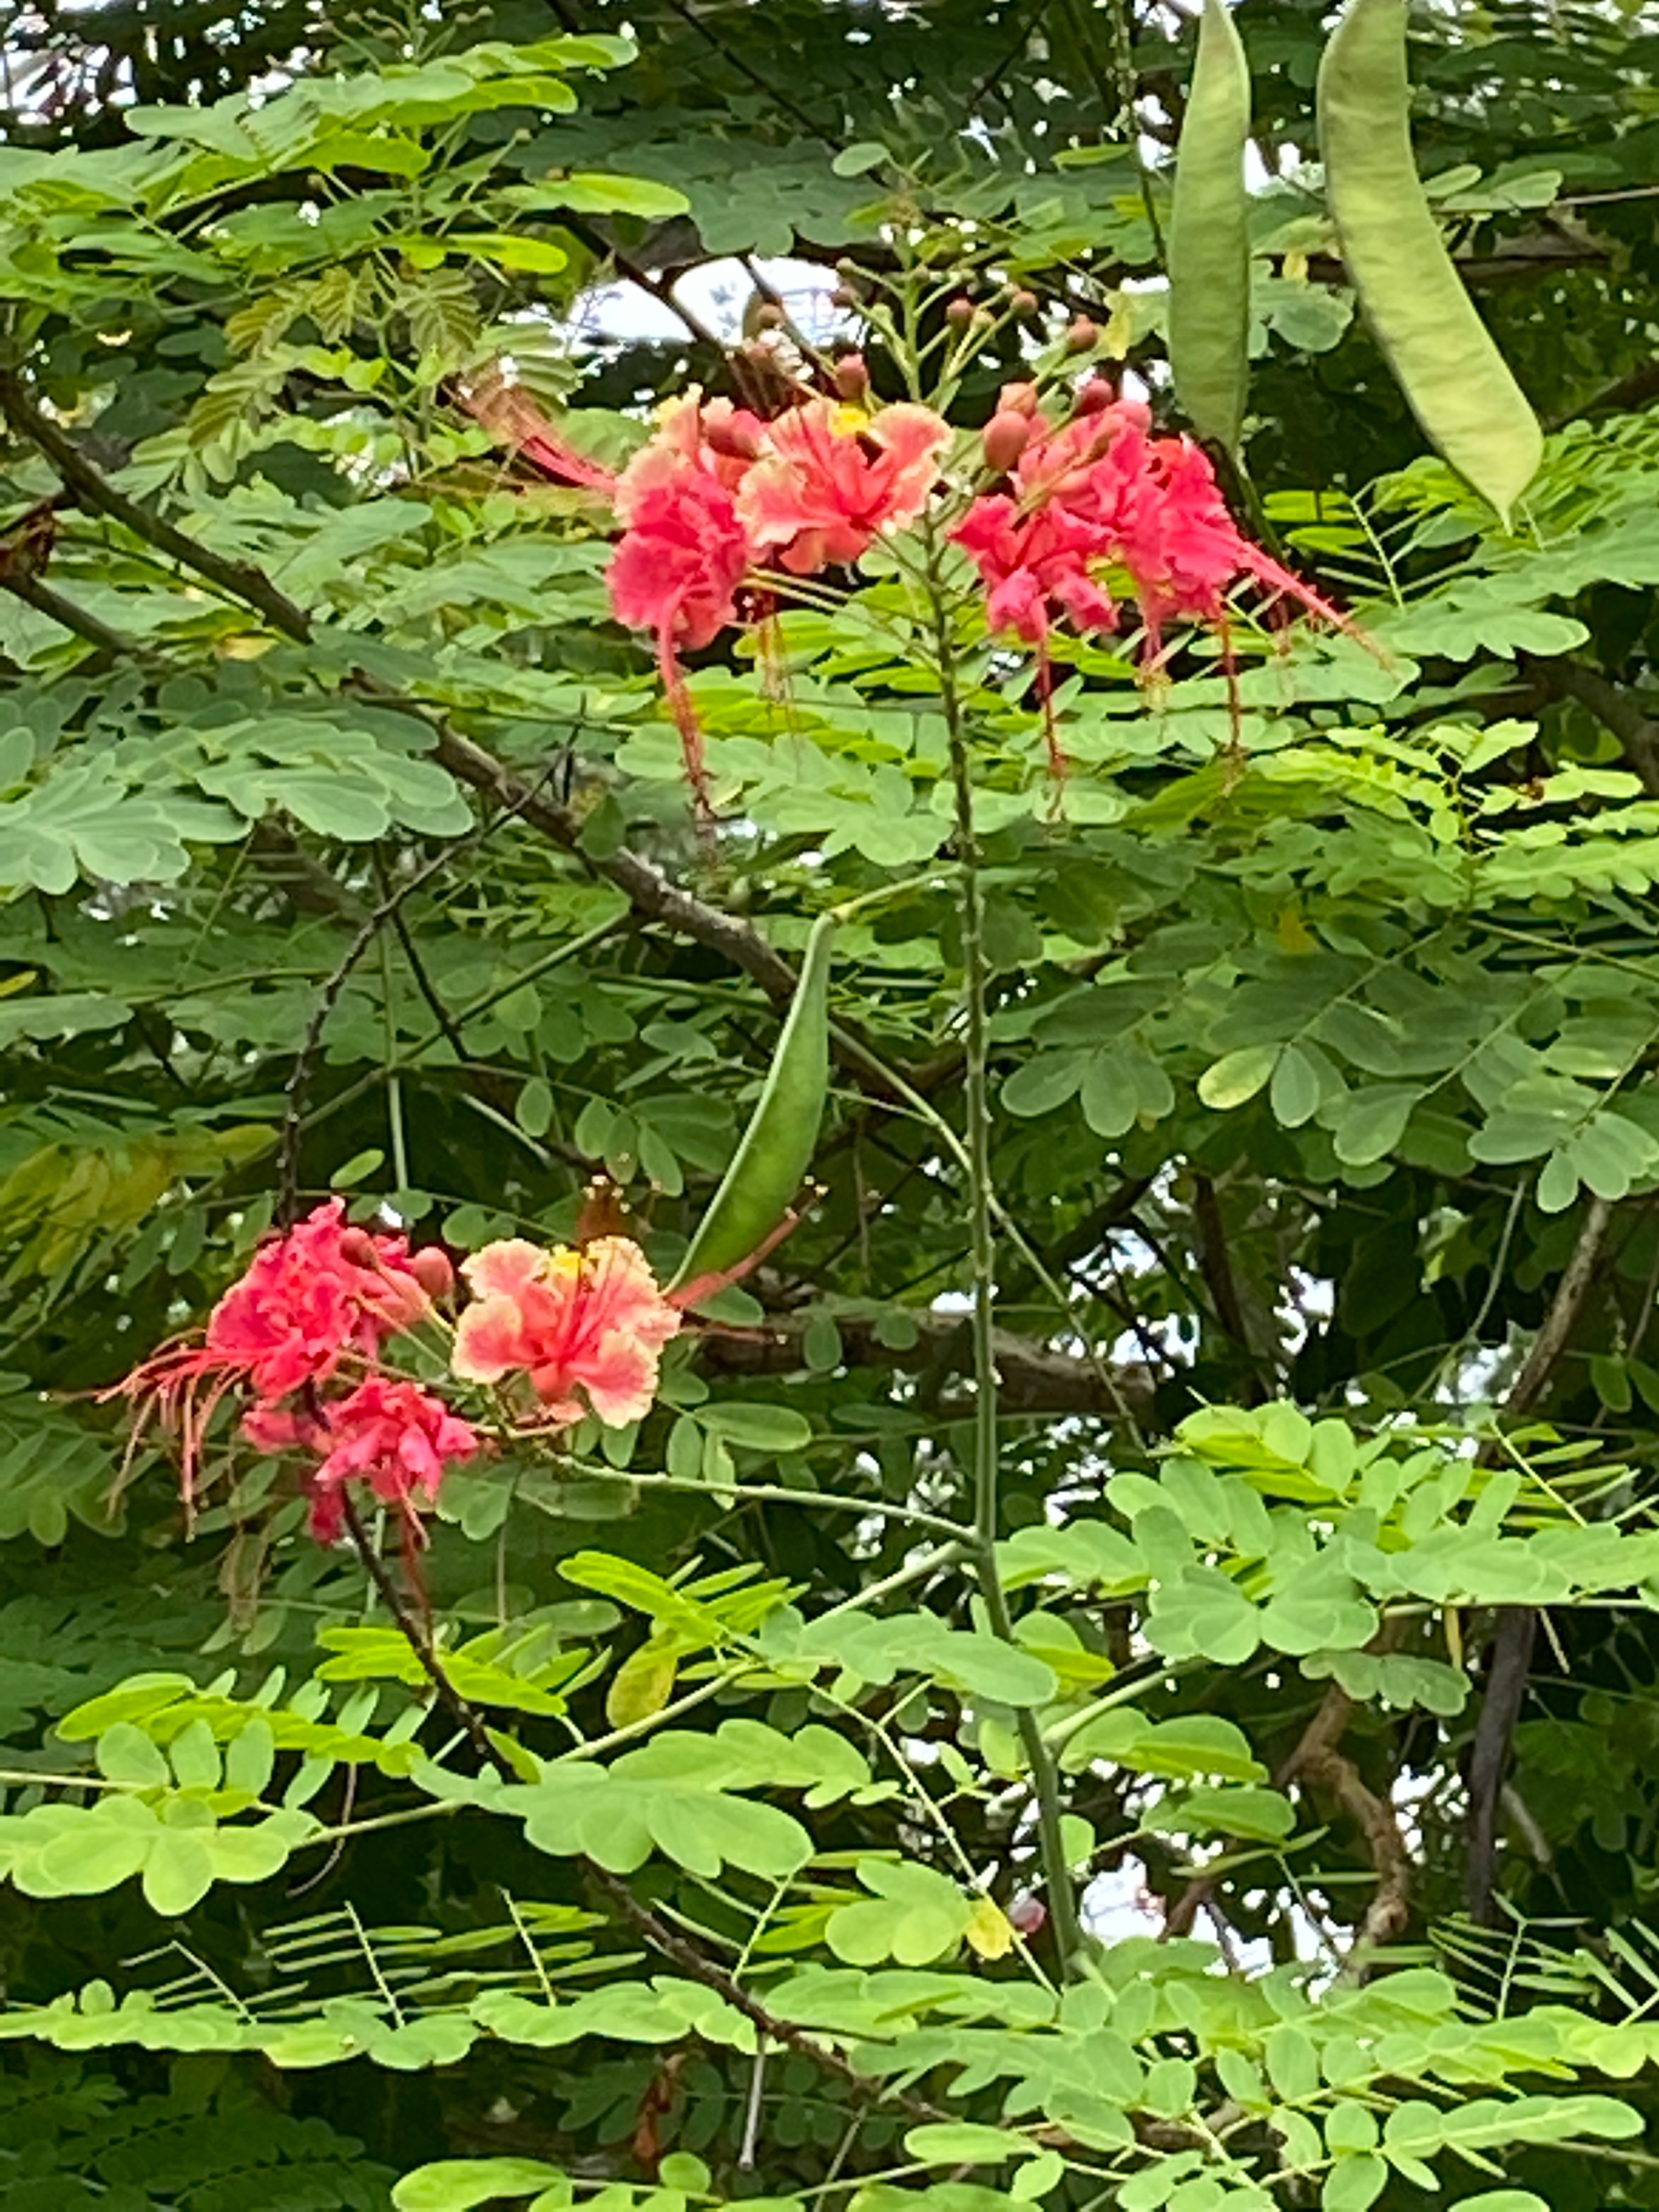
{"x": 678, "y": 1949}
{"x": 1616, "y": 709}
{"x": 1538, "y": 253}
{"x": 1036, "y": 1378}
{"x": 652, "y": 894}
{"x": 110, "y": 643}
{"x": 1386, "y": 1915}
{"x": 1624, "y": 394}
{"x": 1516, "y": 1626}
{"x": 239, "y": 580}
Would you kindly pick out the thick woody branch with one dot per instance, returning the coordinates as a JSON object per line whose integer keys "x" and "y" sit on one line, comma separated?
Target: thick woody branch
{"x": 1036, "y": 1378}
{"x": 1386, "y": 1916}
{"x": 1614, "y": 707}
{"x": 1516, "y": 1626}
{"x": 240, "y": 579}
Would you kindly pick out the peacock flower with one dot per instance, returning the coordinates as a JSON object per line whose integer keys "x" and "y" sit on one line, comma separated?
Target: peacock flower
{"x": 1098, "y": 495}
{"x": 320, "y": 1294}
{"x": 683, "y": 551}
{"x": 1035, "y": 568}
{"x": 393, "y": 1437}
{"x": 832, "y": 479}
{"x": 694, "y": 437}
{"x": 511, "y": 415}
{"x": 589, "y": 1319}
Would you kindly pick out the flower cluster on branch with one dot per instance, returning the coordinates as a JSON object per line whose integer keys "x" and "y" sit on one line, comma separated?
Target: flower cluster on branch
{"x": 301, "y": 1338}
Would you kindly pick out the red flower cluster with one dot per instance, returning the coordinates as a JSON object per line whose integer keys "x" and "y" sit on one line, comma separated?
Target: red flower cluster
{"x": 321, "y": 1294}
{"x": 717, "y": 490}
{"x": 394, "y": 1435}
{"x": 303, "y": 1329}
{"x": 1096, "y": 494}
{"x": 1094, "y": 503}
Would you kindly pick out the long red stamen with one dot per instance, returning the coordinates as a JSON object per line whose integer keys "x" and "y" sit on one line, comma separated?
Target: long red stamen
{"x": 685, "y": 721}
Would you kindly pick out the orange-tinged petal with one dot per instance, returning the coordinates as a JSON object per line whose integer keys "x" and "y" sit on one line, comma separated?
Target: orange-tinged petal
{"x": 502, "y": 1268}
{"x": 488, "y": 1341}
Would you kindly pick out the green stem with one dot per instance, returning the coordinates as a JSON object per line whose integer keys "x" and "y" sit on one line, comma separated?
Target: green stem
{"x": 1045, "y": 1775}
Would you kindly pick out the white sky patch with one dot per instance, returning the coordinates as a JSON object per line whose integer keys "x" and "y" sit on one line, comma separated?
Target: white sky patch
{"x": 717, "y": 295}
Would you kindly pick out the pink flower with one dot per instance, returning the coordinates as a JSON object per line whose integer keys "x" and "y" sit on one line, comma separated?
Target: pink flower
{"x": 1099, "y": 493}
{"x": 309, "y": 1298}
{"x": 591, "y": 1319}
{"x": 714, "y": 440}
{"x": 1036, "y": 566}
{"x": 684, "y": 551}
{"x": 320, "y": 1293}
{"x": 395, "y": 1437}
{"x": 832, "y": 479}
{"x": 678, "y": 562}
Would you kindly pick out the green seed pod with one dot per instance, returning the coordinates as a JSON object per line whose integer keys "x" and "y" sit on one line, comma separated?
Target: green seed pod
{"x": 1461, "y": 391}
{"x": 777, "y": 1149}
{"x": 1209, "y": 240}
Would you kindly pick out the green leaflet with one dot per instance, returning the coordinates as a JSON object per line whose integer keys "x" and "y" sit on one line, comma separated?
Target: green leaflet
{"x": 1462, "y": 391}
{"x": 1209, "y": 245}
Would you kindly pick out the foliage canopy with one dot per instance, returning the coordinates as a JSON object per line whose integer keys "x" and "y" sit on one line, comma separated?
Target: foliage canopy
{"x": 1223, "y": 1332}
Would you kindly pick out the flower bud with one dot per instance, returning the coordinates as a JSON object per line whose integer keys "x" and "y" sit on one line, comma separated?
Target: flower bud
{"x": 432, "y": 1271}
{"x": 1024, "y": 304}
{"x": 1007, "y": 436}
{"x": 357, "y": 1247}
{"x": 1094, "y": 396}
{"x": 1027, "y": 1913}
{"x": 852, "y": 378}
{"x": 769, "y": 316}
{"x": 1017, "y": 399}
{"x": 845, "y": 298}
{"x": 959, "y": 312}
{"x": 1082, "y": 335}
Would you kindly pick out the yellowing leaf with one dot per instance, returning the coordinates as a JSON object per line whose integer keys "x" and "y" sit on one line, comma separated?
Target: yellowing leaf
{"x": 989, "y": 1931}
{"x": 643, "y": 1684}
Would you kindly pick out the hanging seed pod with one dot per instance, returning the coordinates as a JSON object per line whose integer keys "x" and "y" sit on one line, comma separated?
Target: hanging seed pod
{"x": 1209, "y": 240}
{"x": 1459, "y": 386}
{"x": 776, "y": 1150}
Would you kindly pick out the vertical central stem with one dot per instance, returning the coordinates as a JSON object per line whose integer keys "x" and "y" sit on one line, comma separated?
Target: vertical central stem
{"x": 1045, "y": 1776}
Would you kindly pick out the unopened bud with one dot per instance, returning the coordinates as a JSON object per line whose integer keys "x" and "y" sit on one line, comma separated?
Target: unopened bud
{"x": 432, "y": 1271}
{"x": 852, "y": 378}
{"x": 1007, "y": 436}
{"x": 1094, "y": 396}
{"x": 1083, "y": 336}
{"x": 769, "y": 316}
{"x": 1027, "y": 1913}
{"x": 845, "y": 298}
{"x": 1024, "y": 304}
{"x": 357, "y": 1247}
{"x": 959, "y": 312}
{"x": 1017, "y": 399}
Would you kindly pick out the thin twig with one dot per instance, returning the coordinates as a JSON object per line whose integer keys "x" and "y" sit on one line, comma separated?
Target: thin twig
{"x": 299, "y": 1082}
{"x": 465, "y": 1715}
{"x": 417, "y": 968}
{"x": 240, "y": 579}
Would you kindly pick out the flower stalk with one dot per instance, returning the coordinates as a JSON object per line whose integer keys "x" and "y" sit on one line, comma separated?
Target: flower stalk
{"x": 1045, "y": 1774}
